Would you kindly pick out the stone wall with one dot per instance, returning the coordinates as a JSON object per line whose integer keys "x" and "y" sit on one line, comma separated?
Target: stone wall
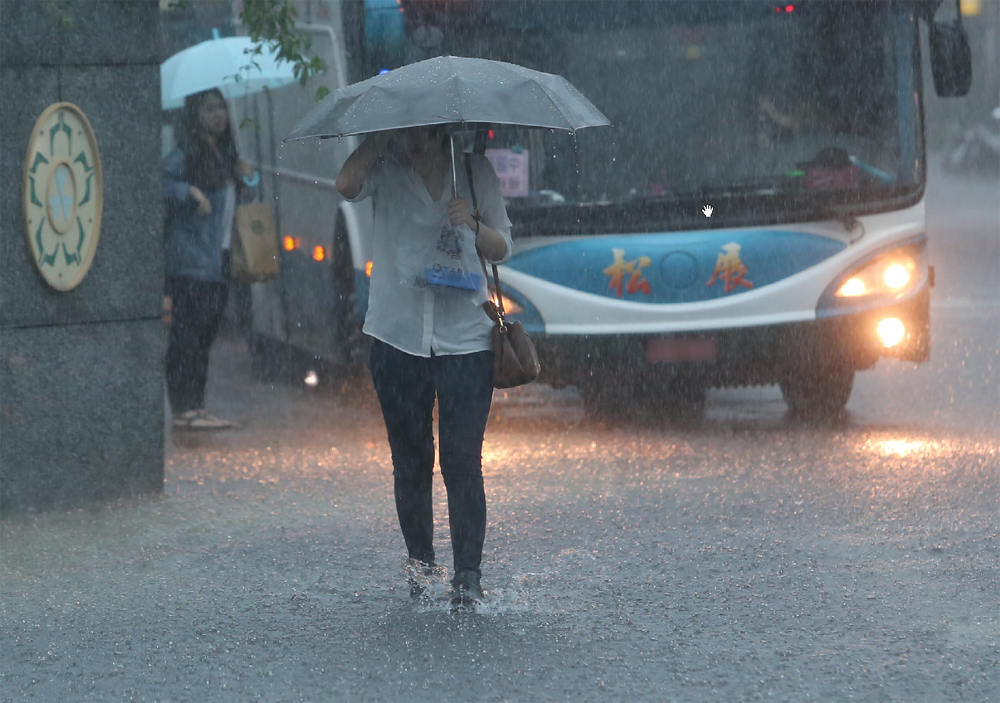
{"x": 81, "y": 373}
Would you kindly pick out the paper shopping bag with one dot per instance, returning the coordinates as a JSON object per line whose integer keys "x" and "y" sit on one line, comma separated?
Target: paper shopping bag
{"x": 255, "y": 244}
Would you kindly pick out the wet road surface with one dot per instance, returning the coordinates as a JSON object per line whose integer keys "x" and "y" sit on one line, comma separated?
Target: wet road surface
{"x": 745, "y": 557}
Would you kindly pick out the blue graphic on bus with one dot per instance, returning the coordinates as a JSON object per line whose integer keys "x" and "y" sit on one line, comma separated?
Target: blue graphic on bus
{"x": 676, "y": 268}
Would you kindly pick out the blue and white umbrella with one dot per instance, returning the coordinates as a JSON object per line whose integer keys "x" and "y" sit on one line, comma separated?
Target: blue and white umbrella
{"x": 228, "y": 64}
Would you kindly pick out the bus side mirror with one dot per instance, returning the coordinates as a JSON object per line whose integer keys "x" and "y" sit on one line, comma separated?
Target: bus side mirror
{"x": 951, "y": 59}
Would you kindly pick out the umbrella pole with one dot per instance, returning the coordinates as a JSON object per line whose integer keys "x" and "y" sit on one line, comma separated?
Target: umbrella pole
{"x": 454, "y": 172}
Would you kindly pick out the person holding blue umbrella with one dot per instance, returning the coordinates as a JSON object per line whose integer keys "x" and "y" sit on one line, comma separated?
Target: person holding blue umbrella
{"x": 237, "y": 66}
{"x": 203, "y": 180}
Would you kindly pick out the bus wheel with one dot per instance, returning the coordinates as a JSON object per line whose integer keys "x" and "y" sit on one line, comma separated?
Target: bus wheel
{"x": 270, "y": 360}
{"x": 818, "y": 391}
{"x": 679, "y": 399}
{"x": 607, "y": 400}
{"x": 351, "y": 342}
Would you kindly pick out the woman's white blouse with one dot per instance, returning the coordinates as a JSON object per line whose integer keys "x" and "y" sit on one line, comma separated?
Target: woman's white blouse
{"x": 418, "y": 321}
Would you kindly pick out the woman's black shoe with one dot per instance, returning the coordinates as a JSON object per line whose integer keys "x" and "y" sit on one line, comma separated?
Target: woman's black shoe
{"x": 418, "y": 575}
{"x": 466, "y": 590}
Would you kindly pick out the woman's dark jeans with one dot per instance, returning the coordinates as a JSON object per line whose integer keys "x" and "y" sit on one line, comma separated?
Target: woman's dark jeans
{"x": 406, "y": 386}
{"x": 197, "y": 312}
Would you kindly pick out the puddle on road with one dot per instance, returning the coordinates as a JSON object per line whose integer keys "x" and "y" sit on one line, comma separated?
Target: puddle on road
{"x": 522, "y": 593}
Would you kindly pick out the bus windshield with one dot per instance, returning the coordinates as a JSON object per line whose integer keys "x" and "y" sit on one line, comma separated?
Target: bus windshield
{"x": 767, "y": 104}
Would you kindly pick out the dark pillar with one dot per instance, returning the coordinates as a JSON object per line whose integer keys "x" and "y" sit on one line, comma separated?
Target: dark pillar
{"x": 81, "y": 373}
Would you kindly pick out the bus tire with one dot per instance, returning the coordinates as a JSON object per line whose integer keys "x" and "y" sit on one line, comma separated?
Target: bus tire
{"x": 818, "y": 391}
{"x": 270, "y": 359}
{"x": 351, "y": 342}
{"x": 608, "y": 400}
{"x": 681, "y": 398}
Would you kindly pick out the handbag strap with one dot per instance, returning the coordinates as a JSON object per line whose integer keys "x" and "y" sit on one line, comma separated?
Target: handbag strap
{"x": 472, "y": 189}
{"x": 495, "y": 304}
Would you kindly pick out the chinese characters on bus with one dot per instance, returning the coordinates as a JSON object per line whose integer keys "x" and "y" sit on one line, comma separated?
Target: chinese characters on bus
{"x": 730, "y": 269}
{"x": 618, "y": 270}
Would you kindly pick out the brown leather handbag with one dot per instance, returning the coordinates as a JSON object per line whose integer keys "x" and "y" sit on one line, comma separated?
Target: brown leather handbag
{"x": 515, "y": 361}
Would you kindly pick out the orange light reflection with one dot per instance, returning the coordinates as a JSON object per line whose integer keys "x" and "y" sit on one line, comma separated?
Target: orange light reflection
{"x": 900, "y": 447}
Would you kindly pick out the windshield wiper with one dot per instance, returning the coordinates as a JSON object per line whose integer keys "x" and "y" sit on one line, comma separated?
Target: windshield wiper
{"x": 872, "y": 171}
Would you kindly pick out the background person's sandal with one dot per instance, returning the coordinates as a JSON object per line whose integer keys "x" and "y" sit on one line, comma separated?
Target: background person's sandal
{"x": 200, "y": 420}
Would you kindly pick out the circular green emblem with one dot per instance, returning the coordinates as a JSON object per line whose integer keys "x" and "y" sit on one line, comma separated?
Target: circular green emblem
{"x": 63, "y": 195}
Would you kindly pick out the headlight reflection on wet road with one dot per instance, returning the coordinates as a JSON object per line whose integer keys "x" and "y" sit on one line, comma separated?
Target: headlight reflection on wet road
{"x": 901, "y": 447}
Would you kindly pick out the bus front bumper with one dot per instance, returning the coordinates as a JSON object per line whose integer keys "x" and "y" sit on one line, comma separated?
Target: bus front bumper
{"x": 743, "y": 356}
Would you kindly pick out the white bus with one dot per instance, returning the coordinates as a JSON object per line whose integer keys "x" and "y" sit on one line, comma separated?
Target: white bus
{"x": 755, "y": 214}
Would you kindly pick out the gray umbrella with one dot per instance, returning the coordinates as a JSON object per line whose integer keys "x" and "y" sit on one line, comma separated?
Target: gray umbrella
{"x": 451, "y": 90}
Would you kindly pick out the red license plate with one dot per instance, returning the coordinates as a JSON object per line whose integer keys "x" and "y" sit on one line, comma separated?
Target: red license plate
{"x": 700, "y": 349}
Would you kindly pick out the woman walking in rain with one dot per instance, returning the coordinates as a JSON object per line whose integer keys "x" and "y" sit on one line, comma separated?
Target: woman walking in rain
{"x": 202, "y": 180}
{"x": 428, "y": 344}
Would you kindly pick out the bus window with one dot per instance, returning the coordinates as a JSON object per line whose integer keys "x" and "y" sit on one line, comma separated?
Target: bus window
{"x": 704, "y": 98}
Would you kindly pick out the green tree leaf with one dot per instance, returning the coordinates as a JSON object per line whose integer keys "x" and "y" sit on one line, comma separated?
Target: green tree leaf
{"x": 273, "y": 21}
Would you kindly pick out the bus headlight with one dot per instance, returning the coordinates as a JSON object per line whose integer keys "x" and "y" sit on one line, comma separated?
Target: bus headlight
{"x": 889, "y": 275}
{"x": 891, "y": 332}
{"x": 897, "y": 276}
{"x": 884, "y": 278}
